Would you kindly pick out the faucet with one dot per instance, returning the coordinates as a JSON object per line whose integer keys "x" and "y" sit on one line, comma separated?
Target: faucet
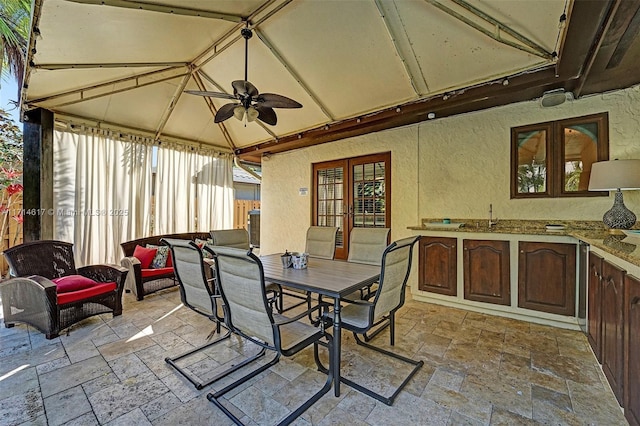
{"x": 492, "y": 222}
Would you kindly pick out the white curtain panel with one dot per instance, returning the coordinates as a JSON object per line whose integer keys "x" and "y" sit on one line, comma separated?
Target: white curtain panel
{"x": 102, "y": 192}
{"x": 194, "y": 191}
{"x": 174, "y": 210}
{"x": 215, "y": 197}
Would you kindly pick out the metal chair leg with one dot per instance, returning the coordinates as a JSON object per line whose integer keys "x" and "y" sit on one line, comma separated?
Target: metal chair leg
{"x": 199, "y": 385}
{"x": 388, "y": 400}
{"x": 387, "y": 321}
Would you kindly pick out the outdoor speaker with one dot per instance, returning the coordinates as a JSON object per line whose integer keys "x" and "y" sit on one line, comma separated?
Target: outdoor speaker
{"x": 555, "y": 97}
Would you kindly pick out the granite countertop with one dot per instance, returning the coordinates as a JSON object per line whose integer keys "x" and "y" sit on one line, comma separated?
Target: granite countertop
{"x": 591, "y": 232}
{"x": 509, "y": 226}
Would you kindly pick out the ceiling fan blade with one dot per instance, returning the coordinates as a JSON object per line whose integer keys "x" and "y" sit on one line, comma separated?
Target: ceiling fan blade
{"x": 242, "y": 87}
{"x": 225, "y": 112}
{"x": 271, "y": 100}
{"x": 266, "y": 114}
{"x": 210, "y": 94}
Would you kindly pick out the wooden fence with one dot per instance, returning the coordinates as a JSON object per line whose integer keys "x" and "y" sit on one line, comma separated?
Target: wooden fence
{"x": 12, "y": 236}
{"x": 241, "y": 213}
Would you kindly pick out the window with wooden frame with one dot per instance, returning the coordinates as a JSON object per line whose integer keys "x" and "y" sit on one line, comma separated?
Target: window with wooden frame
{"x": 554, "y": 159}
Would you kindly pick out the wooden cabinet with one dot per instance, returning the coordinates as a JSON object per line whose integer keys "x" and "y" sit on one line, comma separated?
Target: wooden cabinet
{"x": 486, "y": 271}
{"x": 594, "y": 314}
{"x": 612, "y": 300}
{"x": 438, "y": 265}
{"x": 632, "y": 350}
{"x": 547, "y": 277}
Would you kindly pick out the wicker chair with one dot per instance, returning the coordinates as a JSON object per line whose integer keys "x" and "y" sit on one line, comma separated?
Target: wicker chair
{"x": 248, "y": 314}
{"x": 49, "y": 293}
{"x": 197, "y": 294}
{"x": 360, "y": 316}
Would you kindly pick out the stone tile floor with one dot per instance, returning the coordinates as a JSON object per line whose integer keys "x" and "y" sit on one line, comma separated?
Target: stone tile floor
{"x": 479, "y": 370}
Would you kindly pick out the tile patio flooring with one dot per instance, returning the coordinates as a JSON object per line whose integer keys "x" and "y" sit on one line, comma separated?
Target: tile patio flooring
{"x": 479, "y": 370}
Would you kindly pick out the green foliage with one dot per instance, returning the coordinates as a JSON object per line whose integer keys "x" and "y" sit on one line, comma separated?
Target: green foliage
{"x": 572, "y": 176}
{"x": 10, "y": 143}
{"x": 532, "y": 178}
{"x": 15, "y": 17}
{"x": 10, "y": 175}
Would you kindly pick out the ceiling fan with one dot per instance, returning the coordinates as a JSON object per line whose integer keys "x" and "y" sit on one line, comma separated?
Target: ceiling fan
{"x": 249, "y": 102}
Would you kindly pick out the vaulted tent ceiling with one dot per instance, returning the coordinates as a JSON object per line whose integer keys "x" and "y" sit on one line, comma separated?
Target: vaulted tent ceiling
{"x": 355, "y": 66}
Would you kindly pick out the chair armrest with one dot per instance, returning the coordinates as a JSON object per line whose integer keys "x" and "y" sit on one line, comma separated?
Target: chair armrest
{"x": 134, "y": 277}
{"x": 286, "y": 320}
{"x": 36, "y": 281}
{"x": 105, "y": 274}
{"x": 35, "y": 300}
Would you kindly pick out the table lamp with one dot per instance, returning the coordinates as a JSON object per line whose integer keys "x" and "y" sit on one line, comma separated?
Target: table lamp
{"x": 616, "y": 175}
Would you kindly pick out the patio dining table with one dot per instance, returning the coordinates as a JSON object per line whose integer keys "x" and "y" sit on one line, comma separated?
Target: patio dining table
{"x": 332, "y": 278}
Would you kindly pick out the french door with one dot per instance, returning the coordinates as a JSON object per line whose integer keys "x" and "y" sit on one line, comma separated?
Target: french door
{"x": 352, "y": 193}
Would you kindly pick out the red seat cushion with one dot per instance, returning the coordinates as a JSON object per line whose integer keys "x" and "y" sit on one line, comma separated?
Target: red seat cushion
{"x": 144, "y": 255}
{"x": 73, "y": 283}
{"x": 146, "y": 273}
{"x": 74, "y": 296}
{"x": 169, "y": 263}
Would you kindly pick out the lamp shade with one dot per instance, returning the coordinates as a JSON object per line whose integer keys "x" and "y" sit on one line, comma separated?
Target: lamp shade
{"x": 615, "y": 174}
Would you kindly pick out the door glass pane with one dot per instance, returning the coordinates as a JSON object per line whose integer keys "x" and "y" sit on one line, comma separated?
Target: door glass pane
{"x": 330, "y": 200}
{"x": 580, "y": 149}
{"x": 532, "y": 161}
{"x": 369, "y": 195}
{"x": 358, "y": 173}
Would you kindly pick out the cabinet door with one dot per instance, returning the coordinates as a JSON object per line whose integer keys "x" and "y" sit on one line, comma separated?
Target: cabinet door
{"x": 547, "y": 277}
{"x": 612, "y": 325}
{"x": 438, "y": 265}
{"x": 632, "y": 350}
{"x": 594, "y": 312}
{"x": 486, "y": 271}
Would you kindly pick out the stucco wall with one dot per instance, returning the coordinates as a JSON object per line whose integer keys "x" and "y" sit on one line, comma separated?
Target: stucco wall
{"x": 451, "y": 167}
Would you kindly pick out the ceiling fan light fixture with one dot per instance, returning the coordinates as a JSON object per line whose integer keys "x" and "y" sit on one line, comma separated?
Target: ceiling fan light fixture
{"x": 252, "y": 114}
{"x": 238, "y": 112}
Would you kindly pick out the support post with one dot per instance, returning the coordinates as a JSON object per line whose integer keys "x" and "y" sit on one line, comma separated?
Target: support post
{"x": 37, "y": 176}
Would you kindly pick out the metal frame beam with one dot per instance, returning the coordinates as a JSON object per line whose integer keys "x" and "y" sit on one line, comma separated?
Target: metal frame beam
{"x": 521, "y": 42}
{"x": 162, "y": 9}
{"x": 52, "y": 67}
{"x": 294, "y": 74}
{"x": 109, "y": 92}
{"x": 403, "y": 47}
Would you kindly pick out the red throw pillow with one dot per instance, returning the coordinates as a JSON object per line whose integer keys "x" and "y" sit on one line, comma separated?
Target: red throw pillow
{"x": 144, "y": 255}
{"x": 73, "y": 283}
{"x": 169, "y": 263}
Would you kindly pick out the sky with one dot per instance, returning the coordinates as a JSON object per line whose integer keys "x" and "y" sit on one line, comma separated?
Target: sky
{"x": 9, "y": 92}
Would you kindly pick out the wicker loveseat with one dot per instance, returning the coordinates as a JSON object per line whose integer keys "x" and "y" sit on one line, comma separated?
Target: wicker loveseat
{"x": 144, "y": 279}
{"x": 50, "y": 294}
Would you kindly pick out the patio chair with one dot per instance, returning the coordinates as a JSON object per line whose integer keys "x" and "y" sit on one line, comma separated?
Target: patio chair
{"x": 321, "y": 244}
{"x": 50, "y": 294}
{"x": 248, "y": 314}
{"x": 239, "y": 238}
{"x": 360, "y": 316}
{"x": 366, "y": 245}
{"x": 197, "y": 294}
